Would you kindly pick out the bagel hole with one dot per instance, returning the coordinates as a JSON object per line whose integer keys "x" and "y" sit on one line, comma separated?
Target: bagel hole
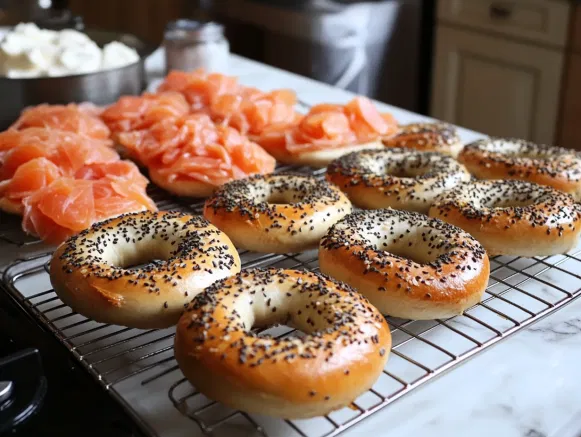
{"x": 272, "y": 324}
{"x": 143, "y": 265}
{"x": 404, "y": 168}
{"x": 407, "y": 172}
{"x": 410, "y": 244}
{"x": 280, "y": 331}
{"x": 140, "y": 255}
{"x": 140, "y": 260}
{"x": 284, "y": 198}
{"x": 282, "y": 316}
{"x": 413, "y": 255}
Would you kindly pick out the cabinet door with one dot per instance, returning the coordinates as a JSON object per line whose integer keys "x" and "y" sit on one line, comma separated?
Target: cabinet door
{"x": 538, "y": 21}
{"x": 496, "y": 86}
{"x": 570, "y": 136}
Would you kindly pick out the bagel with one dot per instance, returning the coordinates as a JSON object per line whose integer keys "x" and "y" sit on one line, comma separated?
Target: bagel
{"x": 89, "y": 271}
{"x": 343, "y": 353}
{"x": 507, "y": 158}
{"x": 396, "y": 178}
{"x": 407, "y": 265}
{"x": 277, "y": 213}
{"x": 428, "y": 137}
{"x": 513, "y": 217}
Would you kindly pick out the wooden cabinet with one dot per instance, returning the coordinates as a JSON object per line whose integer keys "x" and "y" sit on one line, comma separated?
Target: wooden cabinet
{"x": 499, "y": 66}
{"x": 144, "y": 18}
{"x": 570, "y": 134}
{"x": 495, "y": 86}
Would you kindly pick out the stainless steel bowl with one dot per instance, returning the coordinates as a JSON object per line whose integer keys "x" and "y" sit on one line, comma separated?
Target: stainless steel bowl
{"x": 100, "y": 88}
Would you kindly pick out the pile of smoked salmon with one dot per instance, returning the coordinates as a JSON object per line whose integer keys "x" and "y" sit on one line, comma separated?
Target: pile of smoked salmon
{"x": 329, "y": 127}
{"x": 267, "y": 118}
{"x": 270, "y": 118}
{"x": 191, "y": 156}
{"x": 59, "y": 171}
{"x": 229, "y": 103}
{"x": 60, "y": 167}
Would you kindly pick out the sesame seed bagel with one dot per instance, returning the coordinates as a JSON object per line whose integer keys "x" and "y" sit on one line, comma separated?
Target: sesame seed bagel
{"x": 507, "y": 158}
{"x": 277, "y": 213}
{"x": 90, "y": 271}
{"x": 513, "y": 217}
{"x": 396, "y": 178}
{"x": 343, "y": 353}
{"x": 407, "y": 265}
{"x": 428, "y": 137}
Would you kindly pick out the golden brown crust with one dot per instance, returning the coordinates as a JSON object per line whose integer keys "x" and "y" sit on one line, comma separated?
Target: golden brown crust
{"x": 181, "y": 187}
{"x": 396, "y": 178}
{"x": 290, "y": 377}
{"x": 506, "y": 158}
{"x": 513, "y": 217}
{"x": 84, "y": 271}
{"x": 370, "y": 251}
{"x": 278, "y": 213}
{"x": 427, "y": 137}
{"x": 318, "y": 158}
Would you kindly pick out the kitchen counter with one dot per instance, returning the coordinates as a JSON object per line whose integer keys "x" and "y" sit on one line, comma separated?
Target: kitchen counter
{"x": 526, "y": 385}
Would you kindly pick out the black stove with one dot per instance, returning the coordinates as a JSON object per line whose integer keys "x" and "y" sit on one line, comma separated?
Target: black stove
{"x": 43, "y": 392}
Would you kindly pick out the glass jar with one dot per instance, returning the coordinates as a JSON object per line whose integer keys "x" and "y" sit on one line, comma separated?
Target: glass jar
{"x": 193, "y": 44}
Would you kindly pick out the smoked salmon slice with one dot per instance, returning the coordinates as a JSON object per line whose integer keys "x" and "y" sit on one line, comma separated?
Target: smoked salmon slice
{"x": 59, "y": 210}
{"x": 68, "y": 150}
{"x": 28, "y": 179}
{"x": 120, "y": 171}
{"x": 140, "y": 112}
{"x": 329, "y": 126}
{"x": 68, "y": 205}
{"x": 199, "y": 87}
{"x": 80, "y": 119}
{"x": 194, "y": 148}
{"x": 253, "y": 111}
{"x": 229, "y": 103}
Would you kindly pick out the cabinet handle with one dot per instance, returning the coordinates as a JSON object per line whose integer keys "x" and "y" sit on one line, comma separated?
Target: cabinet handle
{"x": 500, "y": 11}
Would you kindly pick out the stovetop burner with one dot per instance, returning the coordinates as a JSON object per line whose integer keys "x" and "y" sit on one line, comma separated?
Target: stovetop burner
{"x": 43, "y": 392}
{"x": 22, "y": 388}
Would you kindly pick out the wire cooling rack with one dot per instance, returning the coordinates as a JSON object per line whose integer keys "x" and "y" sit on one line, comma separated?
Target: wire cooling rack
{"x": 138, "y": 368}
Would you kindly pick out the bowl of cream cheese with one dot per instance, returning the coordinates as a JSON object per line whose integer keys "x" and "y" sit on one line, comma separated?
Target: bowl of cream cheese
{"x": 67, "y": 66}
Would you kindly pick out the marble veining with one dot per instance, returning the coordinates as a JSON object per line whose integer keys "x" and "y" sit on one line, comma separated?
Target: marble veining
{"x": 559, "y": 331}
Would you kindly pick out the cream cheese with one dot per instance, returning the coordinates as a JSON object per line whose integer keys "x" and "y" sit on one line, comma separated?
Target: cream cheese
{"x": 28, "y": 51}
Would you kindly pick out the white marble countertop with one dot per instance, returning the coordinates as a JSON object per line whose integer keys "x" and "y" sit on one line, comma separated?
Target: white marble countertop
{"x": 526, "y": 385}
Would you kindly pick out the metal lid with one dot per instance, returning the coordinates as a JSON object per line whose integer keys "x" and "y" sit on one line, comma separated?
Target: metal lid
{"x": 195, "y": 31}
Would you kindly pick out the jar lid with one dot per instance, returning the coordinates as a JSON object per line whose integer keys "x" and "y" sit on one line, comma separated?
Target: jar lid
{"x": 193, "y": 30}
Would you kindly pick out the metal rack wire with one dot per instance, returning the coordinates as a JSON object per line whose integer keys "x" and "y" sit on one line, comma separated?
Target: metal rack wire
{"x": 139, "y": 370}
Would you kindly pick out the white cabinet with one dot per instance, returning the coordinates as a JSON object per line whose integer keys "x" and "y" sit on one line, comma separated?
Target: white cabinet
{"x": 491, "y": 82}
{"x": 537, "y": 21}
{"x": 496, "y": 87}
